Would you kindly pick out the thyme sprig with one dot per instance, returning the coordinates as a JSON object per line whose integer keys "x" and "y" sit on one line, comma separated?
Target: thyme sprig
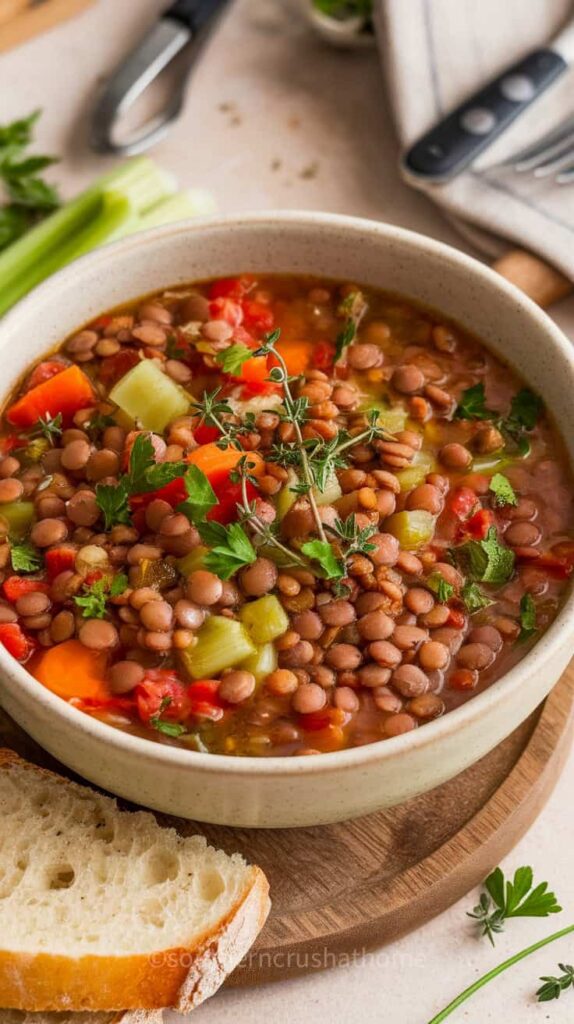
{"x": 214, "y": 412}
{"x": 248, "y": 514}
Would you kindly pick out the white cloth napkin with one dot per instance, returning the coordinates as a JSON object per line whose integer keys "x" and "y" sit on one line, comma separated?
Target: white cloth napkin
{"x": 436, "y": 53}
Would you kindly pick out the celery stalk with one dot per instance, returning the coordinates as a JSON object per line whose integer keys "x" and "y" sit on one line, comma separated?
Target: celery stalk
{"x": 195, "y": 202}
{"x": 262, "y": 663}
{"x": 149, "y": 396}
{"x": 18, "y": 516}
{"x": 264, "y": 619}
{"x": 221, "y": 643}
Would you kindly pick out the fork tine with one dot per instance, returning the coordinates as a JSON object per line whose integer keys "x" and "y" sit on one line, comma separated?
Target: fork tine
{"x": 561, "y": 159}
{"x": 522, "y": 160}
{"x": 546, "y": 150}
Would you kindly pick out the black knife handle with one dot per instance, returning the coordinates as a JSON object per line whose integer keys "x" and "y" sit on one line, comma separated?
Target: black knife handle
{"x": 454, "y": 143}
{"x": 194, "y": 13}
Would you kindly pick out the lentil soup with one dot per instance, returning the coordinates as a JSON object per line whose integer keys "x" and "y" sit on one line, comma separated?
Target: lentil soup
{"x": 277, "y": 516}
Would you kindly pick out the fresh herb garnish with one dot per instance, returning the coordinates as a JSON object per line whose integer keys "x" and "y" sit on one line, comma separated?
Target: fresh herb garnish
{"x": 201, "y": 497}
{"x": 232, "y": 359}
{"x": 502, "y": 490}
{"x": 30, "y": 197}
{"x": 50, "y": 427}
{"x": 474, "y": 598}
{"x": 230, "y": 546}
{"x": 173, "y": 729}
{"x": 353, "y": 539}
{"x": 440, "y": 587}
{"x": 25, "y": 557}
{"x": 504, "y": 899}
{"x": 113, "y": 502}
{"x": 472, "y": 405}
{"x": 145, "y": 474}
{"x": 353, "y": 309}
{"x": 525, "y": 410}
{"x": 324, "y": 554}
{"x": 554, "y": 987}
{"x": 93, "y": 599}
{"x": 98, "y": 423}
{"x": 527, "y": 618}
{"x": 485, "y": 561}
{"x": 215, "y": 412}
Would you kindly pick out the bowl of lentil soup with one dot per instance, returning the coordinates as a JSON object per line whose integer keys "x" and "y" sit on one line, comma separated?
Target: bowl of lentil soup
{"x": 281, "y": 546}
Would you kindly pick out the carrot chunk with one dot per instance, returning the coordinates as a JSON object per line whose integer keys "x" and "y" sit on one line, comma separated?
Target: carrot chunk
{"x": 71, "y": 670}
{"x": 65, "y": 393}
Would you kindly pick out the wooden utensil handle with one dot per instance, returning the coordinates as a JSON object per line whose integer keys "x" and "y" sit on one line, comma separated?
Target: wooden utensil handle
{"x": 537, "y": 279}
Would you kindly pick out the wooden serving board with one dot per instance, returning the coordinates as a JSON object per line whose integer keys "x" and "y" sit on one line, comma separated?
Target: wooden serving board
{"x": 341, "y": 890}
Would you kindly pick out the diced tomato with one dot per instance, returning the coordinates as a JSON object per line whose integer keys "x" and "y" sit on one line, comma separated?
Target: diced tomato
{"x": 162, "y": 686}
{"x": 206, "y": 435}
{"x": 15, "y": 587}
{"x": 558, "y": 568}
{"x": 13, "y": 638}
{"x": 113, "y": 368}
{"x": 65, "y": 393}
{"x": 456, "y": 618}
{"x": 205, "y": 700}
{"x": 323, "y": 356}
{"x": 255, "y": 371}
{"x": 43, "y": 371}
{"x": 226, "y": 309}
{"x": 59, "y": 560}
{"x": 243, "y": 337}
{"x": 173, "y": 493}
{"x": 463, "y": 679}
{"x": 257, "y": 316}
{"x": 462, "y": 502}
{"x": 101, "y": 322}
{"x": 231, "y": 287}
{"x": 479, "y": 524}
{"x": 228, "y": 494}
{"x": 93, "y": 704}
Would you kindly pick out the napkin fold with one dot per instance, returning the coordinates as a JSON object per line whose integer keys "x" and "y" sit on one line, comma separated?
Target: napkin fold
{"x": 435, "y": 53}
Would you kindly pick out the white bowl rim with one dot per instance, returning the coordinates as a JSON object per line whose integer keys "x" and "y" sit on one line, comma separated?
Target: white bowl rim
{"x": 381, "y": 750}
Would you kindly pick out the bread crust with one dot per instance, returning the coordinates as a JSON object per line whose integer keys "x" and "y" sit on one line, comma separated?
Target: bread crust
{"x": 179, "y": 978}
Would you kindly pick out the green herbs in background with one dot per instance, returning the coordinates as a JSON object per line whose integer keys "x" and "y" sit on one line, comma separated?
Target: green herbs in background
{"x": 28, "y": 198}
{"x": 342, "y": 9}
{"x": 528, "y": 625}
{"x": 502, "y": 900}
{"x": 553, "y": 987}
{"x": 93, "y": 598}
{"x": 36, "y": 239}
{"x": 525, "y": 410}
{"x": 505, "y": 899}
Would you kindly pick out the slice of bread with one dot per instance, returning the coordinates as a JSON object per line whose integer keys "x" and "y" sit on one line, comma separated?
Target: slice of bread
{"x": 102, "y": 909}
{"x": 129, "y": 1017}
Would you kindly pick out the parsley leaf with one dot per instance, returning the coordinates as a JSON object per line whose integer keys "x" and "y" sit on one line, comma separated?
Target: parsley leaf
{"x": 472, "y": 405}
{"x": 474, "y": 598}
{"x": 505, "y": 899}
{"x": 113, "y": 502}
{"x": 200, "y": 495}
{"x": 25, "y": 557}
{"x": 525, "y": 409}
{"x": 527, "y": 618}
{"x": 93, "y": 599}
{"x": 503, "y": 490}
{"x": 230, "y": 546}
{"x": 145, "y": 474}
{"x": 486, "y": 561}
{"x": 232, "y": 359}
{"x": 323, "y": 553}
{"x": 440, "y": 587}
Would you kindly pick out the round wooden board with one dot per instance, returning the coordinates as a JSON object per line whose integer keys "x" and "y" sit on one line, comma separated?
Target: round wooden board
{"x": 341, "y": 890}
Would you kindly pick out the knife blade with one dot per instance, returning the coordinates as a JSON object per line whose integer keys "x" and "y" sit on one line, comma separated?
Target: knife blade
{"x": 186, "y": 25}
{"x": 451, "y": 145}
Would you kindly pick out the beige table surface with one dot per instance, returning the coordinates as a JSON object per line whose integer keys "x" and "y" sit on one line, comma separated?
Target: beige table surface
{"x": 275, "y": 119}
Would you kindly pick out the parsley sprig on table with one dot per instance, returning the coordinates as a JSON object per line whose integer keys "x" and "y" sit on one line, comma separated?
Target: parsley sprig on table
{"x": 505, "y": 899}
{"x": 29, "y": 197}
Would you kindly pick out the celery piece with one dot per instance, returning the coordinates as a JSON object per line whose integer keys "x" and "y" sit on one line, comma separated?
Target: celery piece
{"x": 192, "y": 561}
{"x": 286, "y": 497}
{"x": 412, "y": 529}
{"x": 19, "y": 516}
{"x": 34, "y": 256}
{"x": 149, "y": 396}
{"x": 391, "y": 417}
{"x": 262, "y": 663}
{"x": 264, "y": 619}
{"x": 195, "y": 202}
{"x": 220, "y": 643}
{"x": 423, "y": 463}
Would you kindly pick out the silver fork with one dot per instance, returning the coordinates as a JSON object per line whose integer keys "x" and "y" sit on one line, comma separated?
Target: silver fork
{"x": 552, "y": 155}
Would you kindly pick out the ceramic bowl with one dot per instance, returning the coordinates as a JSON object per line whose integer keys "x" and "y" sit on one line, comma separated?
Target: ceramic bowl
{"x": 281, "y": 792}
